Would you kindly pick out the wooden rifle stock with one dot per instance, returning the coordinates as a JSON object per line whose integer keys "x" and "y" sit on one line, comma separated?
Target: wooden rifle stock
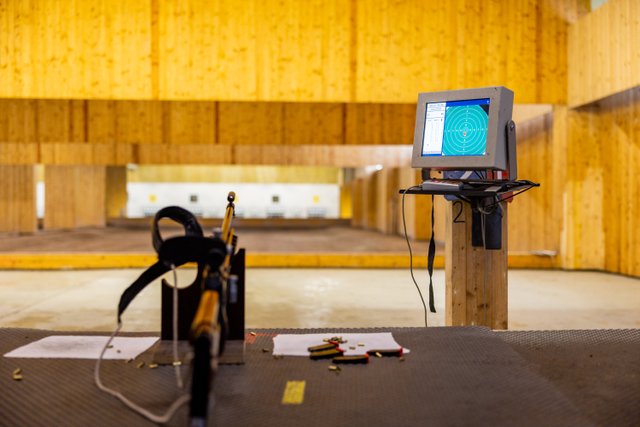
{"x": 205, "y": 338}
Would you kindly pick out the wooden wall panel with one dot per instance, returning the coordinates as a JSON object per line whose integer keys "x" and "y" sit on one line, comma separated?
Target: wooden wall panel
{"x": 183, "y": 154}
{"x": 604, "y": 52}
{"x": 269, "y": 50}
{"x": 602, "y": 196}
{"x": 387, "y": 124}
{"x": 142, "y": 122}
{"x": 138, "y": 122}
{"x": 190, "y": 122}
{"x": 532, "y": 224}
{"x": 18, "y": 199}
{"x": 406, "y": 47}
{"x": 210, "y": 47}
{"x": 322, "y": 155}
{"x": 584, "y": 191}
{"x": 363, "y": 124}
{"x": 398, "y": 123}
{"x": 78, "y": 154}
{"x": 18, "y": 120}
{"x": 250, "y": 123}
{"x": 206, "y": 173}
{"x": 74, "y": 196}
{"x": 115, "y": 129}
{"x": 18, "y": 153}
{"x": 101, "y": 121}
{"x": 284, "y": 50}
{"x": 307, "y": 124}
{"x": 53, "y": 120}
{"x": 77, "y": 49}
{"x": 303, "y": 50}
{"x": 621, "y": 168}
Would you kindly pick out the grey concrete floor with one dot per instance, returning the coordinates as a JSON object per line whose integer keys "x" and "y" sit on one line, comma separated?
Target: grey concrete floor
{"x": 306, "y": 298}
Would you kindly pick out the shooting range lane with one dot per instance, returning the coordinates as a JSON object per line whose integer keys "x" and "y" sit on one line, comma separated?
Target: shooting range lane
{"x": 126, "y": 246}
{"x": 124, "y": 239}
{"x": 453, "y": 376}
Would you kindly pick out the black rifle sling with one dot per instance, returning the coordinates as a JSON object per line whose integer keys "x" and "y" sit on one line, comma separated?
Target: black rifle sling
{"x": 176, "y": 253}
{"x": 179, "y": 215}
{"x": 149, "y": 275}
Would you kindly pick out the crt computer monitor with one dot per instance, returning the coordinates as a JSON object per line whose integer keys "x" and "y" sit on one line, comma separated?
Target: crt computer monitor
{"x": 462, "y": 129}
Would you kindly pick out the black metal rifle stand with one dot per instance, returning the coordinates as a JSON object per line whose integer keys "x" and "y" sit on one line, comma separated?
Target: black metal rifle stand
{"x": 188, "y": 301}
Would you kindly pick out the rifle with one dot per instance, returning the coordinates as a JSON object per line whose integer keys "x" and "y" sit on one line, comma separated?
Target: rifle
{"x": 209, "y": 324}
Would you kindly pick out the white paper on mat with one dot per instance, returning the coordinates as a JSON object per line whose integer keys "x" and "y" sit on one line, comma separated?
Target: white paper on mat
{"x": 297, "y": 344}
{"x": 83, "y": 347}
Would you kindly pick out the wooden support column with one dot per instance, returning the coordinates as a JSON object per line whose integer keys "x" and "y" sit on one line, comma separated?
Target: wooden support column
{"x": 116, "y": 191}
{"x": 74, "y": 196}
{"x": 17, "y": 199}
{"x": 370, "y": 214}
{"x": 476, "y": 278}
{"x": 357, "y": 203}
{"x": 381, "y": 200}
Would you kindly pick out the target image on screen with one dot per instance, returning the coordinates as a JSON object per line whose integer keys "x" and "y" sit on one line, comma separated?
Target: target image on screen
{"x": 456, "y": 128}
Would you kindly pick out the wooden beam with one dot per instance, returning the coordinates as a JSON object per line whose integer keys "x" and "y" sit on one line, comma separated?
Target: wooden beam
{"x": 39, "y": 261}
{"x": 476, "y": 278}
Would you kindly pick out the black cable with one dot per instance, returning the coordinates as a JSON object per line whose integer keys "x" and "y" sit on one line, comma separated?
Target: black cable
{"x": 431, "y": 254}
{"x": 510, "y": 197}
{"x": 404, "y": 226}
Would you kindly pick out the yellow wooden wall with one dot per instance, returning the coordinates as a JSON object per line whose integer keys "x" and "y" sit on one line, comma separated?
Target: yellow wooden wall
{"x": 602, "y": 209}
{"x": 75, "y": 48}
{"x": 333, "y": 83}
{"x": 533, "y": 221}
{"x": 377, "y": 204}
{"x": 604, "y": 52}
{"x": 205, "y": 173}
{"x": 168, "y": 132}
{"x": 17, "y": 199}
{"x": 74, "y": 196}
{"x": 535, "y": 217}
{"x": 282, "y": 50}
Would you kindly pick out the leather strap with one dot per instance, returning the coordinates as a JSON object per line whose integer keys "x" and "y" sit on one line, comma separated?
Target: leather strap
{"x": 148, "y": 276}
{"x": 176, "y": 251}
{"x": 179, "y": 215}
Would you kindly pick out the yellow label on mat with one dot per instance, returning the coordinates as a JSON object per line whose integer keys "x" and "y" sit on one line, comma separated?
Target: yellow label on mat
{"x": 293, "y": 393}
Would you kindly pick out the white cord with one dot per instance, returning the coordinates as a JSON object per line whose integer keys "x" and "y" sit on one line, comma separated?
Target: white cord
{"x": 176, "y": 359}
{"x": 131, "y": 405}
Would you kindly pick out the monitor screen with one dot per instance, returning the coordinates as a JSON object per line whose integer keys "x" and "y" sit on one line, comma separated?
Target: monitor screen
{"x": 456, "y": 128}
{"x": 462, "y": 129}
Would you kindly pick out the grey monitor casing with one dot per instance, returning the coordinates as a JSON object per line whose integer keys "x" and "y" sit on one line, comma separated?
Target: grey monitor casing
{"x": 500, "y": 110}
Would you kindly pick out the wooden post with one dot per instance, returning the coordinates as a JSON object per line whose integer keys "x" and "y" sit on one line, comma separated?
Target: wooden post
{"x": 116, "y": 191}
{"x": 476, "y": 278}
{"x": 74, "y": 196}
{"x": 18, "y": 199}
